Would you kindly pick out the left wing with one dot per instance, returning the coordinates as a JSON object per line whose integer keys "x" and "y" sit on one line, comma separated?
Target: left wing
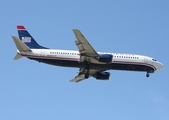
{"x": 83, "y": 45}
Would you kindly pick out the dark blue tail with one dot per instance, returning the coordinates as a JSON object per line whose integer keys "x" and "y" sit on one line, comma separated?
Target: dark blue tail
{"x": 25, "y": 37}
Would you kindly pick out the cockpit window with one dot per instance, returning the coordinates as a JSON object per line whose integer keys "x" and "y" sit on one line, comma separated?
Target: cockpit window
{"x": 154, "y": 59}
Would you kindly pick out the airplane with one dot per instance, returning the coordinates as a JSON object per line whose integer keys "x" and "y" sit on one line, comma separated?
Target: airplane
{"x": 90, "y": 63}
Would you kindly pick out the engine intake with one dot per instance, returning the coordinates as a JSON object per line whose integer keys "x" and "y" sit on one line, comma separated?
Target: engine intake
{"x": 107, "y": 58}
{"x": 102, "y": 75}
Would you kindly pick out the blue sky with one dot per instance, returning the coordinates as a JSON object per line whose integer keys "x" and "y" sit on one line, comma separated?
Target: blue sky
{"x": 36, "y": 91}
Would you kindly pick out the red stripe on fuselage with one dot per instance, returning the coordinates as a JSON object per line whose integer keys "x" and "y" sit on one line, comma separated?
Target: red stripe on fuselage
{"x": 50, "y": 57}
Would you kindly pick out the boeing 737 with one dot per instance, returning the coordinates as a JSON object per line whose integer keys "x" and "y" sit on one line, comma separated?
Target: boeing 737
{"x": 90, "y": 63}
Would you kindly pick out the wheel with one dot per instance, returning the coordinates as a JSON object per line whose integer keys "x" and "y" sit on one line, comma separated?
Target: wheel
{"x": 86, "y": 76}
{"x": 147, "y": 75}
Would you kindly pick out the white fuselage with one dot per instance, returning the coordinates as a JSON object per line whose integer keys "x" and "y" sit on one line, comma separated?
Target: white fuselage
{"x": 69, "y": 55}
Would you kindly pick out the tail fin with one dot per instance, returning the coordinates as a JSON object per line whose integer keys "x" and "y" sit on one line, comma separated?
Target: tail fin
{"x": 20, "y": 45}
{"x": 28, "y": 39}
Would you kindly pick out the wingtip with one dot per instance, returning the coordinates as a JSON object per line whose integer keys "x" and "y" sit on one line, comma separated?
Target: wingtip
{"x": 71, "y": 80}
{"x": 75, "y": 29}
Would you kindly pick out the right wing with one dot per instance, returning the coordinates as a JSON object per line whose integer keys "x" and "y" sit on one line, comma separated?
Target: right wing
{"x": 78, "y": 78}
{"x": 81, "y": 75}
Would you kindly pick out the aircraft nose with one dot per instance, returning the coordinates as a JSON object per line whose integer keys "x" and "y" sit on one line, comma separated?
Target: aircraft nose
{"x": 160, "y": 66}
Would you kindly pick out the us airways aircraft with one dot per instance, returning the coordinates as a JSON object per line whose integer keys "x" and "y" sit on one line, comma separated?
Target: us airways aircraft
{"x": 90, "y": 63}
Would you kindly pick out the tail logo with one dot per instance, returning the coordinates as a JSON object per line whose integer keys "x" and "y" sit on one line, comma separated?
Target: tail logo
{"x": 26, "y": 39}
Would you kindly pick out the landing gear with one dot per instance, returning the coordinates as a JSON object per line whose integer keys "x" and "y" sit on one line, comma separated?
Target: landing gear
{"x": 88, "y": 69}
{"x": 86, "y": 75}
{"x": 148, "y": 74}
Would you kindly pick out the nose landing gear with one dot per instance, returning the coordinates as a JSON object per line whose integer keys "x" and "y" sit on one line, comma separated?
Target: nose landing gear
{"x": 148, "y": 74}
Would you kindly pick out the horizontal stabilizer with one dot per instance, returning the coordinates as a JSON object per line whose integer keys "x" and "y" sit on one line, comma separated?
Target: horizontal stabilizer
{"x": 20, "y": 45}
{"x": 18, "y": 56}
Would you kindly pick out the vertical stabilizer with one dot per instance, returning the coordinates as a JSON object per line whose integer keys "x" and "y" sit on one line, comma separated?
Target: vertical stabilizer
{"x": 26, "y": 38}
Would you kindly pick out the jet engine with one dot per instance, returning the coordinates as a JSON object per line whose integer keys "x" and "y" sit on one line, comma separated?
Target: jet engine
{"x": 102, "y": 75}
{"x": 107, "y": 58}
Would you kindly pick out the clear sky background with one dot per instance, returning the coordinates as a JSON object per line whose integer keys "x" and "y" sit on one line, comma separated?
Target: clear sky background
{"x": 35, "y": 91}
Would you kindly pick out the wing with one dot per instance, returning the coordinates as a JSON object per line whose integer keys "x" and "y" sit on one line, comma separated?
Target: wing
{"x": 81, "y": 75}
{"x": 78, "y": 78}
{"x": 83, "y": 45}
{"x": 87, "y": 53}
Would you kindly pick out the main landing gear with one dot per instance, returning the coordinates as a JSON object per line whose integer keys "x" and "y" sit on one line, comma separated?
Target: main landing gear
{"x": 88, "y": 69}
{"x": 87, "y": 75}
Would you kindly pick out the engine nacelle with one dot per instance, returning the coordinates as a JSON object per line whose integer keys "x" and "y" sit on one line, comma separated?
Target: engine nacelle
{"x": 107, "y": 58}
{"x": 102, "y": 75}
